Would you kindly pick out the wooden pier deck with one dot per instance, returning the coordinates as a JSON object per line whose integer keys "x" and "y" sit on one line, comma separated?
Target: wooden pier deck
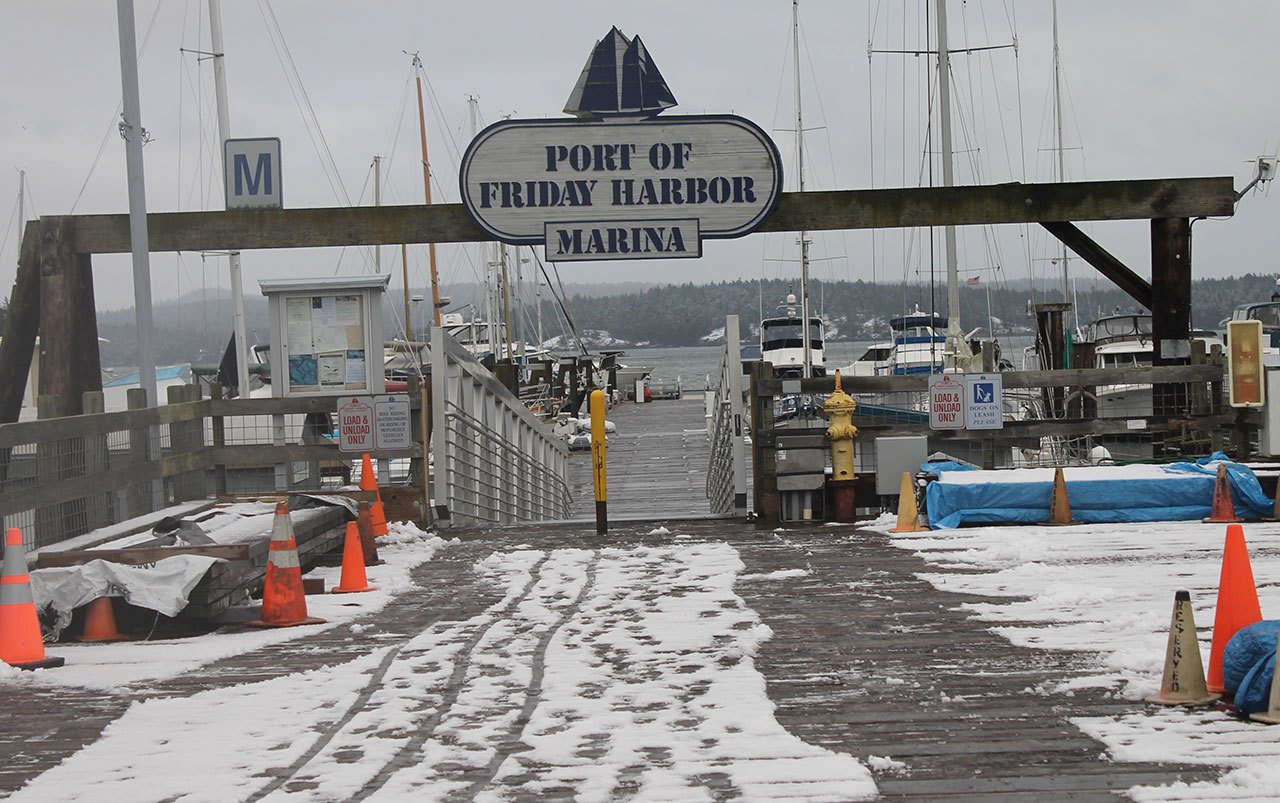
{"x": 865, "y": 658}
{"x": 657, "y": 462}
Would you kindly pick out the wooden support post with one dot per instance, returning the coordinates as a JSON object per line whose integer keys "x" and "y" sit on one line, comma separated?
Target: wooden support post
{"x": 1072, "y": 237}
{"x": 68, "y": 319}
{"x": 764, "y": 459}
{"x": 219, "y": 430}
{"x": 138, "y": 496}
{"x": 21, "y": 323}
{"x": 186, "y": 437}
{"x": 1170, "y": 310}
{"x": 48, "y": 518}
{"x": 98, "y": 508}
{"x": 1051, "y": 346}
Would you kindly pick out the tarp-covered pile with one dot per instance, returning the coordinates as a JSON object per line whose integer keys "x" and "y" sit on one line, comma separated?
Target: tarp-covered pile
{"x": 1098, "y": 494}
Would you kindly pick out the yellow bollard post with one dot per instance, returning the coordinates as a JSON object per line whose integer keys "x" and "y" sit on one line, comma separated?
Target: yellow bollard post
{"x": 598, "y": 461}
{"x": 839, "y": 407}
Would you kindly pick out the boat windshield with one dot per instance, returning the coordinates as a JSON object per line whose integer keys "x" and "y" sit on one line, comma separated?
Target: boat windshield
{"x": 876, "y": 354}
{"x": 1122, "y": 326}
{"x": 784, "y": 333}
{"x": 1125, "y": 359}
{"x": 1269, "y": 314}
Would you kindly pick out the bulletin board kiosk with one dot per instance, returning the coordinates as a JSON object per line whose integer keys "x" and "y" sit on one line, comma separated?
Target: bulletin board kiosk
{"x": 326, "y": 335}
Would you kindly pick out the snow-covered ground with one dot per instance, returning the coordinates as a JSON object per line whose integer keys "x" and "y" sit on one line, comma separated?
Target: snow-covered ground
{"x": 601, "y": 673}
{"x": 1108, "y": 590}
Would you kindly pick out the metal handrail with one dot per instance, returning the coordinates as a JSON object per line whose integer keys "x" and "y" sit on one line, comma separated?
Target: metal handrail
{"x": 495, "y": 461}
{"x": 726, "y": 473}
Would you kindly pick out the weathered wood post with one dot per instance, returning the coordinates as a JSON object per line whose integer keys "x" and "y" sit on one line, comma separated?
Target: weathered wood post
{"x": 218, "y": 427}
{"x": 1170, "y": 312}
{"x": 21, "y": 323}
{"x": 98, "y": 508}
{"x": 764, "y": 458}
{"x": 68, "y": 319}
{"x": 48, "y": 519}
{"x": 138, "y": 496}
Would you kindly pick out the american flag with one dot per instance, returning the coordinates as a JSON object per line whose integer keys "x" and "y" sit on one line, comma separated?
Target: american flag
{"x": 973, "y": 281}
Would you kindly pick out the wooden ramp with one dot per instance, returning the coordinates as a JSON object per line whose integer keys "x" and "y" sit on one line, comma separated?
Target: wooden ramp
{"x": 657, "y": 463}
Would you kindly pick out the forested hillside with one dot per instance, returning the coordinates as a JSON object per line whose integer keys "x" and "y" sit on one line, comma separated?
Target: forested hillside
{"x": 196, "y": 327}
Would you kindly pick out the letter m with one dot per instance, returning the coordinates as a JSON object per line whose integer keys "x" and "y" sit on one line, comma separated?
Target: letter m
{"x": 260, "y": 178}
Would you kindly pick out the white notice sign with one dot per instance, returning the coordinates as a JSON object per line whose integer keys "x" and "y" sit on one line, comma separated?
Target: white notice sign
{"x": 983, "y": 401}
{"x": 392, "y": 422}
{"x": 355, "y": 424}
{"x": 946, "y": 402}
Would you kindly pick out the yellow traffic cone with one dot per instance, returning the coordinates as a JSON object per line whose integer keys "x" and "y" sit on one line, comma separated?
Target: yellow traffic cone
{"x": 908, "y": 518}
{"x": 1183, "y": 681}
{"x": 1060, "y": 504}
{"x": 1272, "y": 716}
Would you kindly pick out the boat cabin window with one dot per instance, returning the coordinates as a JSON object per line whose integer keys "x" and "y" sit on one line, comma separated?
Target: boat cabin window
{"x": 876, "y": 354}
{"x": 1122, "y": 326}
{"x": 1128, "y": 359}
{"x": 1269, "y": 314}
{"x": 787, "y": 334}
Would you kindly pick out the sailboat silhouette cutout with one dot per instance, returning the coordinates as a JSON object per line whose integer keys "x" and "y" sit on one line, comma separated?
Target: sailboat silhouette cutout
{"x": 619, "y": 80}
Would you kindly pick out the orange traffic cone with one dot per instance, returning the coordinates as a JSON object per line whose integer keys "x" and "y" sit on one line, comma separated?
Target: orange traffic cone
{"x": 353, "y": 577}
{"x": 100, "y": 622}
{"x": 283, "y": 602}
{"x": 369, "y": 482}
{"x": 1272, "y": 715}
{"x": 1060, "y": 503}
{"x": 1223, "y": 511}
{"x": 21, "y": 644}
{"x": 908, "y": 517}
{"x": 367, "y": 543}
{"x": 1183, "y": 680}
{"x": 1237, "y": 601}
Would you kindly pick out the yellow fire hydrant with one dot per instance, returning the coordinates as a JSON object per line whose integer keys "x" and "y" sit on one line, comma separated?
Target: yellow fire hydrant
{"x": 839, "y": 407}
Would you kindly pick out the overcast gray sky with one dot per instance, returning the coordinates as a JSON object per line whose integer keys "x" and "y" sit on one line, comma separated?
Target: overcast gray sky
{"x": 1156, "y": 88}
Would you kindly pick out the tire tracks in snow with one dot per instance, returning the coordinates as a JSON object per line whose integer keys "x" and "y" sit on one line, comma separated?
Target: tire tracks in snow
{"x": 461, "y": 664}
{"x": 533, "y": 693}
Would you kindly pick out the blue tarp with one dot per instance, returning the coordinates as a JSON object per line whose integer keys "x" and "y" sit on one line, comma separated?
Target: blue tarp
{"x": 1186, "y": 495}
{"x": 1249, "y": 647}
{"x": 1249, "y": 663}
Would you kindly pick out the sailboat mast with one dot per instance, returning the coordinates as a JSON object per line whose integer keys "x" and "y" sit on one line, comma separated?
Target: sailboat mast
{"x": 224, "y": 133}
{"x": 506, "y": 304}
{"x": 426, "y": 182}
{"x": 948, "y": 168}
{"x": 488, "y": 254}
{"x": 377, "y": 201}
{"x": 519, "y": 305}
{"x": 133, "y": 132}
{"x": 804, "y": 240}
{"x": 22, "y": 212}
{"x": 1057, "y": 114}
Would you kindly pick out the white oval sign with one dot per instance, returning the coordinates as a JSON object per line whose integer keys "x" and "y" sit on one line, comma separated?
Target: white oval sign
{"x": 520, "y": 175}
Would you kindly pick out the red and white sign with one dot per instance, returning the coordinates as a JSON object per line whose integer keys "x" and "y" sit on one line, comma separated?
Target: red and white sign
{"x": 355, "y": 425}
{"x": 946, "y": 402}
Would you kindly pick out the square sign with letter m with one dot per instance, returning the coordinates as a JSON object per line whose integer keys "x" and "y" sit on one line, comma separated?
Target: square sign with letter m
{"x": 251, "y": 173}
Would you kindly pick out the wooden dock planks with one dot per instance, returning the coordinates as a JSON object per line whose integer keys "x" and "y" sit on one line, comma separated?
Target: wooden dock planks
{"x": 657, "y": 462}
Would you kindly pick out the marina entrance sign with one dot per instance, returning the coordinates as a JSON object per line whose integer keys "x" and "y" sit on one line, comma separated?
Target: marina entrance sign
{"x": 613, "y": 186}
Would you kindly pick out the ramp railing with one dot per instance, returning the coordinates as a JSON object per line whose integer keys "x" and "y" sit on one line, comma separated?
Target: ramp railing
{"x": 63, "y": 477}
{"x": 495, "y": 462}
{"x": 727, "y": 472}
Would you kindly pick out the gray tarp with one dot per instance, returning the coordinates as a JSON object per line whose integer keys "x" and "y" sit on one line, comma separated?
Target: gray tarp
{"x": 162, "y": 586}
